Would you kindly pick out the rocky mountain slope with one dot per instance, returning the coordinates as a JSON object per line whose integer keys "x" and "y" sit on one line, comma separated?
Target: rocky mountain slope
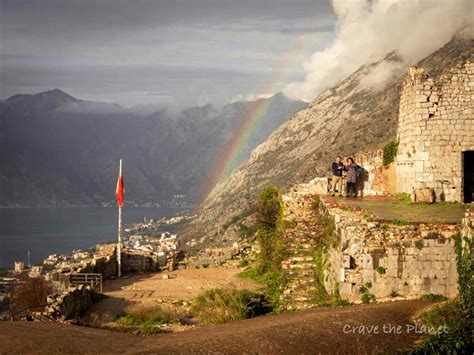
{"x": 59, "y": 150}
{"x": 343, "y": 120}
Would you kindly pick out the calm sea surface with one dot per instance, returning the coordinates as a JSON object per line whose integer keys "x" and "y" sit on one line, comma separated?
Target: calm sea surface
{"x": 45, "y": 231}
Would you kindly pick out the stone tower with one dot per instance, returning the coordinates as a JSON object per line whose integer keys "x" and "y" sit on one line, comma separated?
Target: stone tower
{"x": 436, "y": 133}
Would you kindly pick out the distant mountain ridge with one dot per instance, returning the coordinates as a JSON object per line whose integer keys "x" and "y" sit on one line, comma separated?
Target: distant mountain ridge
{"x": 57, "y": 150}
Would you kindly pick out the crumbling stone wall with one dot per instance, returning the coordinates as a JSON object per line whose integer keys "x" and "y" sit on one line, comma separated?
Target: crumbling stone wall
{"x": 377, "y": 179}
{"x": 105, "y": 263}
{"x": 409, "y": 260}
{"x": 436, "y": 124}
{"x": 69, "y": 304}
{"x": 214, "y": 256}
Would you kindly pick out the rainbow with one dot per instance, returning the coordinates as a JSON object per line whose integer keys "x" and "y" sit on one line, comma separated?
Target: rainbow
{"x": 233, "y": 150}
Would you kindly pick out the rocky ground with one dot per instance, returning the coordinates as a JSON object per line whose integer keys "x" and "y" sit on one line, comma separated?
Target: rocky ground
{"x": 315, "y": 331}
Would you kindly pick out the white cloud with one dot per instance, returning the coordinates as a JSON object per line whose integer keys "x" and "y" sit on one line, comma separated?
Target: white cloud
{"x": 368, "y": 30}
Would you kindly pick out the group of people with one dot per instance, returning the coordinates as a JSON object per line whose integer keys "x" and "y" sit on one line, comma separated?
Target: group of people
{"x": 352, "y": 172}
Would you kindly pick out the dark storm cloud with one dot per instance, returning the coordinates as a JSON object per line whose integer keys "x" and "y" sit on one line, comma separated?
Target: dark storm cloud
{"x": 116, "y": 49}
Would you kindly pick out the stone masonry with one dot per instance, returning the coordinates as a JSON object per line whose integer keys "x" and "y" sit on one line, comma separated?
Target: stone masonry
{"x": 399, "y": 261}
{"x": 301, "y": 238}
{"x": 69, "y": 304}
{"x": 408, "y": 261}
{"x": 436, "y": 124}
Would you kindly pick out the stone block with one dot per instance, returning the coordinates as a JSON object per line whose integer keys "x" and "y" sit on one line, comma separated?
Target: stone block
{"x": 438, "y": 289}
{"x": 319, "y": 187}
{"x": 346, "y": 261}
{"x": 345, "y": 288}
{"x": 424, "y": 195}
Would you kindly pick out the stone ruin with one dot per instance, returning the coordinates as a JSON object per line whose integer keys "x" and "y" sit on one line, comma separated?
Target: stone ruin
{"x": 436, "y": 133}
{"x": 398, "y": 261}
{"x": 69, "y": 304}
{"x": 435, "y": 155}
{"x": 407, "y": 261}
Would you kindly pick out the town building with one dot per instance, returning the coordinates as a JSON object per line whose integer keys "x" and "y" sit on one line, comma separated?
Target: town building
{"x": 19, "y": 266}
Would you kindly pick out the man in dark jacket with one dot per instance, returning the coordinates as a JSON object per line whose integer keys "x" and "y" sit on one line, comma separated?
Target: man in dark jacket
{"x": 337, "y": 168}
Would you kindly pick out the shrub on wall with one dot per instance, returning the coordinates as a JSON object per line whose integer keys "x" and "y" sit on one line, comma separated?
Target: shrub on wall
{"x": 270, "y": 227}
{"x": 390, "y": 152}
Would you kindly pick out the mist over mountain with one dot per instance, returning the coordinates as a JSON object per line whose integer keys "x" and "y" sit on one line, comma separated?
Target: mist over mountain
{"x": 58, "y": 150}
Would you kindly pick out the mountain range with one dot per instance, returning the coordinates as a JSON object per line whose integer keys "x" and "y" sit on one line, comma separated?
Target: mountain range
{"x": 57, "y": 150}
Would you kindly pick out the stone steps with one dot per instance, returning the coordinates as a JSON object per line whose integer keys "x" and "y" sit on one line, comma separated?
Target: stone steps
{"x": 301, "y": 239}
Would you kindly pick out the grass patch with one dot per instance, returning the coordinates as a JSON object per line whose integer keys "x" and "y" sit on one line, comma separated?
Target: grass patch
{"x": 224, "y": 305}
{"x": 273, "y": 282}
{"x": 399, "y": 222}
{"x": 403, "y": 197}
{"x": 321, "y": 297}
{"x": 148, "y": 320}
{"x": 430, "y": 297}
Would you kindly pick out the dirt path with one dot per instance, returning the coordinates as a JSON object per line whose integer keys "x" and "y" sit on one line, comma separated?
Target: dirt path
{"x": 315, "y": 331}
{"x": 149, "y": 289}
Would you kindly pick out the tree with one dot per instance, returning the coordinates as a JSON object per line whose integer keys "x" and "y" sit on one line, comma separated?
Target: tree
{"x": 30, "y": 293}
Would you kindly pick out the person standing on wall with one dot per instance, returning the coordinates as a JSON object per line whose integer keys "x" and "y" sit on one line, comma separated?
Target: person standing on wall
{"x": 351, "y": 177}
{"x": 337, "y": 168}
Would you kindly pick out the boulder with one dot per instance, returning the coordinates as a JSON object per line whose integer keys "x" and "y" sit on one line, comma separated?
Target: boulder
{"x": 424, "y": 195}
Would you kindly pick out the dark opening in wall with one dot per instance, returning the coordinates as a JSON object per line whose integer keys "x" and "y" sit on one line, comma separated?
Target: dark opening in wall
{"x": 468, "y": 175}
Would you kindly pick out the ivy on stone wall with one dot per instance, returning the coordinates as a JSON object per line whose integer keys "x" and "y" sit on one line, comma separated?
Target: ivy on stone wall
{"x": 390, "y": 152}
{"x": 270, "y": 228}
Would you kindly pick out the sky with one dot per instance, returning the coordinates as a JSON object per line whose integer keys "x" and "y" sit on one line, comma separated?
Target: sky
{"x": 147, "y": 52}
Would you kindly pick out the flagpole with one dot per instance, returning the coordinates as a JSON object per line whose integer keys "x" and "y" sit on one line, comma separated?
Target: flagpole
{"x": 119, "y": 241}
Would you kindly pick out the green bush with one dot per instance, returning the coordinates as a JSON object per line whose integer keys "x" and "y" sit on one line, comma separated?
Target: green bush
{"x": 390, "y": 152}
{"x": 419, "y": 244}
{"x": 456, "y": 339}
{"x": 381, "y": 270}
{"x": 270, "y": 208}
{"x": 244, "y": 262}
{"x": 367, "y": 297}
{"x": 270, "y": 228}
{"x": 225, "y": 305}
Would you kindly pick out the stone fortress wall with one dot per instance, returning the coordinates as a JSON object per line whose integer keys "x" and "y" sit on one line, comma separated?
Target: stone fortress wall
{"x": 436, "y": 124}
{"x": 406, "y": 261}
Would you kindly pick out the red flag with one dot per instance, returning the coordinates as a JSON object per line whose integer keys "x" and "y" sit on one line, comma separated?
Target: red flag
{"x": 120, "y": 188}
